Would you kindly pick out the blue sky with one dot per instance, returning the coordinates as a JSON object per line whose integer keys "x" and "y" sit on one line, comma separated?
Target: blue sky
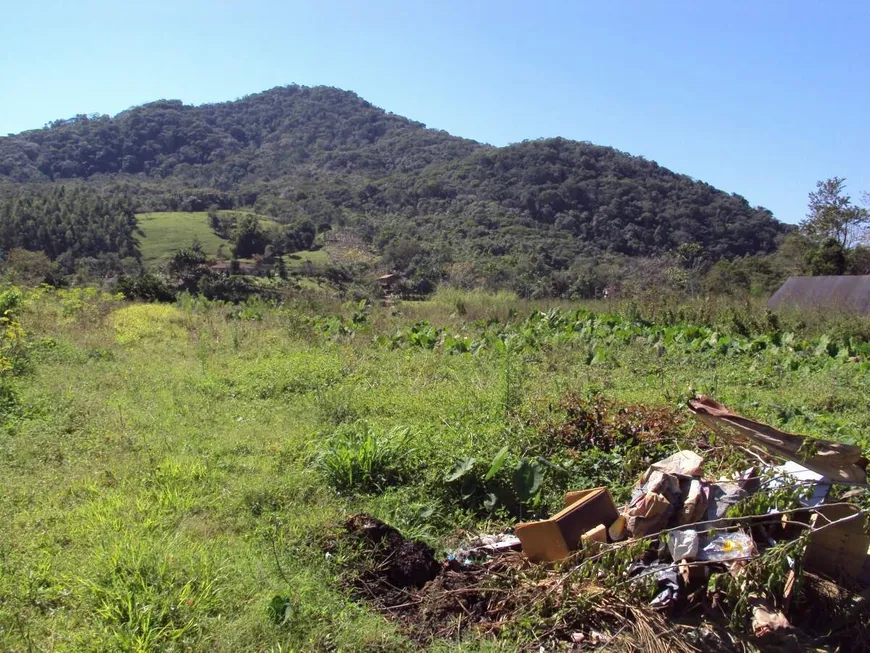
{"x": 760, "y": 98}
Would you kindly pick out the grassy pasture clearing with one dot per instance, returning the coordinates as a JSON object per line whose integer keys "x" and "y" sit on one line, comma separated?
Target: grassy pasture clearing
{"x": 163, "y": 233}
{"x": 297, "y": 260}
{"x": 165, "y": 469}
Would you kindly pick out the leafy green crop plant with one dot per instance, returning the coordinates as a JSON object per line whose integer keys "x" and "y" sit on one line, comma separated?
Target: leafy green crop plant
{"x": 491, "y": 487}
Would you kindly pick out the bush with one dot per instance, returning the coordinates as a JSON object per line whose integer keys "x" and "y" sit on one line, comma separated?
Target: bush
{"x": 359, "y": 458}
{"x": 225, "y": 288}
{"x": 490, "y": 486}
{"x": 31, "y": 268}
{"x": 13, "y": 342}
{"x": 145, "y": 287}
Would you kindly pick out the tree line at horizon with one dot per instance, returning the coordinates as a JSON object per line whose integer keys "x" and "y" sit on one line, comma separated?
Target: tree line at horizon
{"x": 60, "y": 233}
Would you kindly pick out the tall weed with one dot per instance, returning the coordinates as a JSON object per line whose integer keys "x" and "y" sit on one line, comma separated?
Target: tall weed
{"x": 149, "y": 600}
{"x": 361, "y": 458}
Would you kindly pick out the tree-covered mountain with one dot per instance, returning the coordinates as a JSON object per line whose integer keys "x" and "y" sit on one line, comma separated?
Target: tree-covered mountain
{"x": 325, "y": 157}
{"x": 259, "y": 137}
{"x": 580, "y": 192}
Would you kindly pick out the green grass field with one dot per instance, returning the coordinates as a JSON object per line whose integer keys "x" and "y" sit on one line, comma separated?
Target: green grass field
{"x": 163, "y": 233}
{"x": 297, "y": 259}
{"x": 163, "y": 477}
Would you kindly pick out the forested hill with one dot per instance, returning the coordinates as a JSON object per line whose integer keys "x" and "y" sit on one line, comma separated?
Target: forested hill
{"x": 259, "y": 137}
{"x": 327, "y": 156}
{"x": 580, "y": 193}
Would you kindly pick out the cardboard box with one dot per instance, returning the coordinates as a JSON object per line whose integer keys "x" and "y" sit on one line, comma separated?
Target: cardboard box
{"x": 555, "y": 538}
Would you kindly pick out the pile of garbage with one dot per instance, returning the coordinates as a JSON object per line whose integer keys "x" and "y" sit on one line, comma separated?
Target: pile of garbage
{"x": 674, "y": 569}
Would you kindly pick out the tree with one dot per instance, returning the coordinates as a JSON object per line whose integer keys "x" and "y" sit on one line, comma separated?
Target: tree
{"x": 724, "y": 278}
{"x": 214, "y": 220}
{"x": 401, "y": 253}
{"x": 829, "y": 258}
{"x": 187, "y": 266}
{"x": 249, "y": 238}
{"x": 373, "y": 175}
{"x": 281, "y": 267}
{"x": 832, "y": 215}
{"x": 145, "y": 287}
{"x": 70, "y": 225}
{"x": 30, "y": 268}
{"x": 692, "y": 259}
{"x": 859, "y": 260}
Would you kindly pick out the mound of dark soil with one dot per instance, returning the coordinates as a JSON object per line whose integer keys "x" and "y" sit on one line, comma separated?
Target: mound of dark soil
{"x": 400, "y": 562}
{"x": 402, "y": 578}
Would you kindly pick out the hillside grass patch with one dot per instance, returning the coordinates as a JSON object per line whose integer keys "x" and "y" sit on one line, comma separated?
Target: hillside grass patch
{"x": 164, "y": 232}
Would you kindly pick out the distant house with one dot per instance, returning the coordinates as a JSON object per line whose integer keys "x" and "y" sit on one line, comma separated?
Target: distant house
{"x": 226, "y": 267}
{"x": 843, "y": 293}
{"x": 389, "y": 283}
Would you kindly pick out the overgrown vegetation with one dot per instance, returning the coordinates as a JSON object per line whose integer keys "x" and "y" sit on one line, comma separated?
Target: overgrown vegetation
{"x": 357, "y": 459}
{"x": 295, "y": 169}
{"x": 171, "y": 473}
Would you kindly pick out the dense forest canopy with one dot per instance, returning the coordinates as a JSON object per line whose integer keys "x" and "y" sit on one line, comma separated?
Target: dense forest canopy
{"x": 584, "y": 193}
{"x": 221, "y": 145}
{"x": 326, "y": 157}
{"x": 69, "y": 224}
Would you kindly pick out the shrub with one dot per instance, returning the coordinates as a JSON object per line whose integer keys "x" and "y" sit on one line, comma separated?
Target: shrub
{"x": 359, "y": 458}
{"x": 515, "y": 488}
{"x": 226, "y": 288}
{"x": 145, "y": 287}
{"x": 13, "y": 342}
{"x": 31, "y": 268}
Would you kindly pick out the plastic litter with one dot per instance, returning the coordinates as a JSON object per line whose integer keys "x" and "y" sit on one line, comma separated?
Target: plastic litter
{"x": 659, "y": 482}
{"x": 728, "y": 546}
{"x": 483, "y": 547}
{"x": 794, "y": 473}
{"x": 723, "y": 495}
{"x": 842, "y": 463}
{"x": 668, "y": 585}
{"x": 649, "y": 513}
{"x": 694, "y": 503}
{"x": 495, "y": 542}
{"x": 767, "y": 620}
{"x": 683, "y": 545}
